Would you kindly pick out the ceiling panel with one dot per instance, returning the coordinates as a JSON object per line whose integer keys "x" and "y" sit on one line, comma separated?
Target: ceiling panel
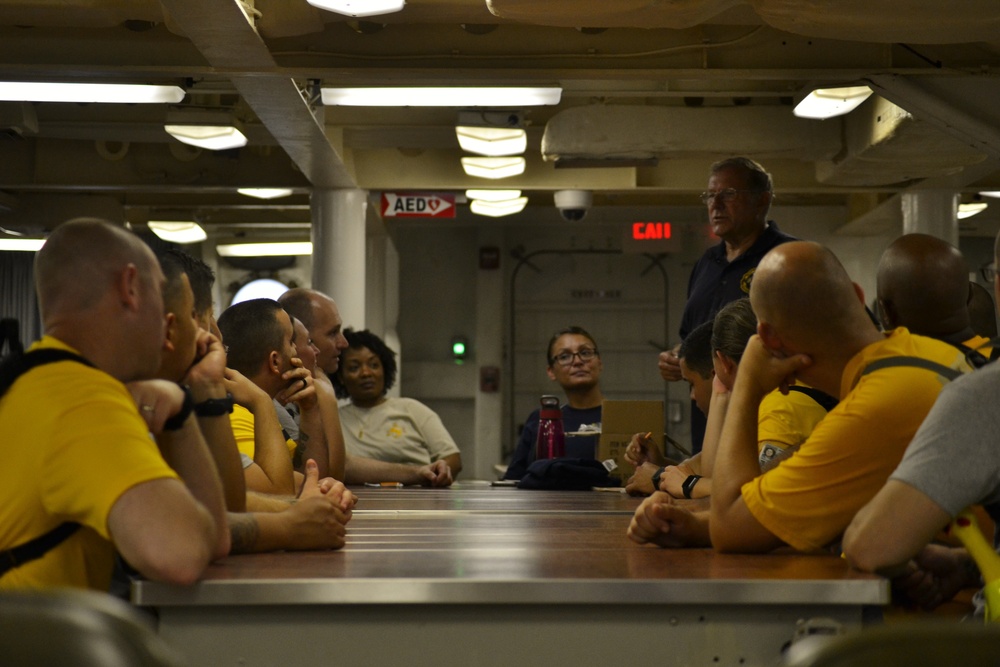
{"x": 681, "y": 83}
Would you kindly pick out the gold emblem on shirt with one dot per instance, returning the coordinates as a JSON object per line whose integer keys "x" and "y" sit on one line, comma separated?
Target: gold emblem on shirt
{"x": 746, "y": 280}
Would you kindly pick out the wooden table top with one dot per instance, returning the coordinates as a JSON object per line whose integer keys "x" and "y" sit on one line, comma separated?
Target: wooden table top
{"x": 496, "y": 500}
{"x": 510, "y": 545}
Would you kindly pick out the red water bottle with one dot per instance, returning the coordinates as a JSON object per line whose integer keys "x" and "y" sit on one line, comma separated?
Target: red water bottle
{"x": 551, "y": 441}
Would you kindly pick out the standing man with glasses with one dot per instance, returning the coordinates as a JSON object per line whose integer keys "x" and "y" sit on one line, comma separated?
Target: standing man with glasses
{"x": 739, "y": 196}
{"x": 575, "y": 363}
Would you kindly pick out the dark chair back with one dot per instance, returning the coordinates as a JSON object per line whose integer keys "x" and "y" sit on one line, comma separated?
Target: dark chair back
{"x": 909, "y": 643}
{"x": 79, "y": 628}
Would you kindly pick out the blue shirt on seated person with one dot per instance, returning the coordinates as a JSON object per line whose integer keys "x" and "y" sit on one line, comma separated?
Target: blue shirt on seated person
{"x": 575, "y": 363}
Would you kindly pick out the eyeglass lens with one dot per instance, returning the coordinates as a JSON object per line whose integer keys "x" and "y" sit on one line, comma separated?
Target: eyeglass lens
{"x": 566, "y": 358}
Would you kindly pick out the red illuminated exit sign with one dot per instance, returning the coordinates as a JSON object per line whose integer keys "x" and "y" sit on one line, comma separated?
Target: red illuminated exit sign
{"x": 654, "y": 237}
{"x": 649, "y": 231}
{"x": 417, "y": 205}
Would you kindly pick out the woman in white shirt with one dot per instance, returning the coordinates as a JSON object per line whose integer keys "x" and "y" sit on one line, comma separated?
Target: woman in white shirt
{"x": 398, "y": 430}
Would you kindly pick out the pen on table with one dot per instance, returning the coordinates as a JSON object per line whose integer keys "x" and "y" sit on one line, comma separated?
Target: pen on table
{"x": 385, "y": 485}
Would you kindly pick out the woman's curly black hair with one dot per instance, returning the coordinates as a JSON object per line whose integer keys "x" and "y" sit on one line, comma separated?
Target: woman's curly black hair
{"x": 365, "y": 338}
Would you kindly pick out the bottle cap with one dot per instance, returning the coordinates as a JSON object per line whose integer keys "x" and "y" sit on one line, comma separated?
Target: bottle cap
{"x": 550, "y": 401}
{"x": 550, "y": 408}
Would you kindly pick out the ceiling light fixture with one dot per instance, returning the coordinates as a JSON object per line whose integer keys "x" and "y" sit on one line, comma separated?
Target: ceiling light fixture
{"x": 359, "y": 7}
{"x": 442, "y": 96}
{"x": 112, "y": 93}
{"x": 990, "y": 193}
{"x": 971, "y": 209}
{"x": 178, "y": 232}
{"x": 209, "y": 137}
{"x": 493, "y": 167}
{"x": 829, "y": 102}
{"x": 265, "y": 249}
{"x": 492, "y": 195}
{"x": 492, "y": 133}
{"x": 496, "y": 209}
{"x": 22, "y": 245}
{"x": 493, "y": 141}
{"x": 265, "y": 193}
{"x": 211, "y": 129}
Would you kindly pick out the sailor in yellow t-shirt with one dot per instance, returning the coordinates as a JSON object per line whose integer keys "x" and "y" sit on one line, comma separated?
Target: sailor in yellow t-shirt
{"x": 79, "y": 448}
{"x": 786, "y": 420}
{"x": 262, "y": 365}
{"x": 813, "y": 327}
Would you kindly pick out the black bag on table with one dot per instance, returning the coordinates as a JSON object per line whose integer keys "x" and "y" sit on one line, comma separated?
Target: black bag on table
{"x": 566, "y": 474}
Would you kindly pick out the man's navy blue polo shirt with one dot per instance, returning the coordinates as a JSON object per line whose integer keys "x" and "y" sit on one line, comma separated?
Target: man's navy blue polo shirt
{"x": 715, "y": 282}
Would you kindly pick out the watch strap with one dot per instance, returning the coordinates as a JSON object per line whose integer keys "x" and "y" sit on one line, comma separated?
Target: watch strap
{"x": 215, "y": 407}
{"x": 688, "y": 486}
{"x": 656, "y": 478}
{"x": 177, "y": 421}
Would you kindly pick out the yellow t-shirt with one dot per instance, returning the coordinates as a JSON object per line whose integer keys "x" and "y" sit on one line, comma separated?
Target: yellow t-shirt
{"x": 73, "y": 444}
{"x": 979, "y": 344}
{"x": 241, "y": 420}
{"x": 784, "y": 423}
{"x": 809, "y": 499}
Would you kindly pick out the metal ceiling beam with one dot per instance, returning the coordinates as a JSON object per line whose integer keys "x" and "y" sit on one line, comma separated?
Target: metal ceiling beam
{"x": 225, "y": 36}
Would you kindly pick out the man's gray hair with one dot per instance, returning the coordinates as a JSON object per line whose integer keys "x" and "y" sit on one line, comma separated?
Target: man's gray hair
{"x": 758, "y": 179}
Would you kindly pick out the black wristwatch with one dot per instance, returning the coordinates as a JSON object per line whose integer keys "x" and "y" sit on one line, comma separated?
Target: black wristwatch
{"x": 688, "y": 486}
{"x": 214, "y": 407}
{"x": 177, "y": 421}
{"x": 656, "y": 478}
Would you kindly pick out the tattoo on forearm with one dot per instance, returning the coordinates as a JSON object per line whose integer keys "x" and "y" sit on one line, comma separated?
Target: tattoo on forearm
{"x": 298, "y": 458}
{"x": 243, "y": 533}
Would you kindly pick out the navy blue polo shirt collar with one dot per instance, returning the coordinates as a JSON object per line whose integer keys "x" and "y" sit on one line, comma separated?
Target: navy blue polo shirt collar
{"x": 764, "y": 243}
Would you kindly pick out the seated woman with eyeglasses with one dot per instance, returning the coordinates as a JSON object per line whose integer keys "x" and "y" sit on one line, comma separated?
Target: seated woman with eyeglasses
{"x": 376, "y": 426}
{"x": 575, "y": 363}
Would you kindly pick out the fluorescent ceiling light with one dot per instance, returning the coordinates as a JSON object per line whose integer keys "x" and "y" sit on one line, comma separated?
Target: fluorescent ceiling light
{"x": 496, "y": 209}
{"x": 265, "y": 249}
{"x": 114, "y": 93}
{"x": 492, "y": 195}
{"x": 265, "y": 193}
{"x": 209, "y": 137}
{"x": 441, "y": 97}
{"x": 24, "y": 245}
{"x": 178, "y": 232}
{"x": 830, "y": 102}
{"x": 359, "y": 7}
{"x": 990, "y": 193}
{"x": 492, "y": 140}
{"x": 493, "y": 167}
{"x": 970, "y": 209}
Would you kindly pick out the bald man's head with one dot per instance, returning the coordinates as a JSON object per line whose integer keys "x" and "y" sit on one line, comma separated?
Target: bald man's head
{"x": 100, "y": 290}
{"x": 319, "y": 314}
{"x": 299, "y": 302}
{"x": 803, "y": 291}
{"x": 81, "y": 260}
{"x": 923, "y": 284}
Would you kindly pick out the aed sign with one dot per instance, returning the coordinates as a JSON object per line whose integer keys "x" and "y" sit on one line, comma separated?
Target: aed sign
{"x": 418, "y": 205}
{"x": 650, "y": 237}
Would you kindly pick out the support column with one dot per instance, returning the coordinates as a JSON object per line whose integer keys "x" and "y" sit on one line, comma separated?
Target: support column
{"x": 489, "y": 354}
{"x": 382, "y": 307}
{"x": 338, "y": 263}
{"x": 933, "y": 212}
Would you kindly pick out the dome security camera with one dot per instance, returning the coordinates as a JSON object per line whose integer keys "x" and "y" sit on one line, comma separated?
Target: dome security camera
{"x": 573, "y": 204}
